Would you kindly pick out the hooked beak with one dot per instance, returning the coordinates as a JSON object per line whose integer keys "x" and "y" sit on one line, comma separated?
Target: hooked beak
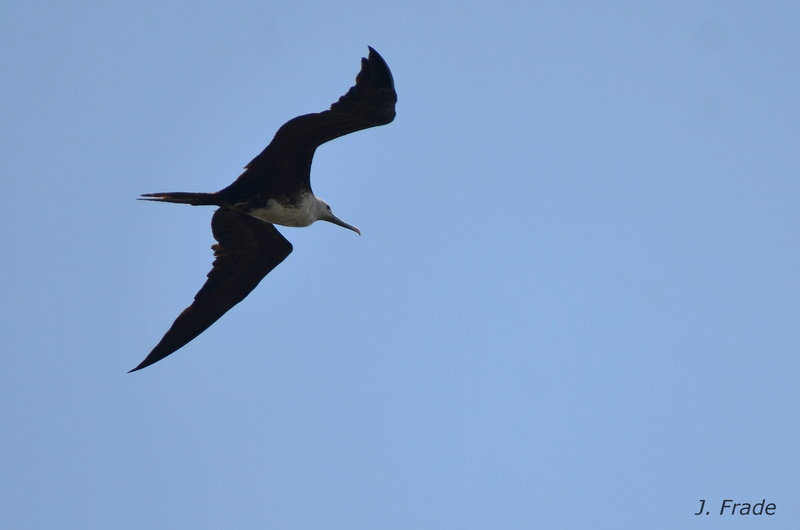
{"x": 335, "y": 220}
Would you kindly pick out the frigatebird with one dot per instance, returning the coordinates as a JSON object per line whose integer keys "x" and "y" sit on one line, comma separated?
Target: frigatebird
{"x": 275, "y": 188}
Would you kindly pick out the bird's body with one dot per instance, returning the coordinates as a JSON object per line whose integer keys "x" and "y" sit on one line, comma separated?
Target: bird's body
{"x": 275, "y": 188}
{"x": 303, "y": 210}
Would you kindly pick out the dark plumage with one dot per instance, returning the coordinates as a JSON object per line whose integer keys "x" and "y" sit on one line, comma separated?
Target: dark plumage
{"x": 275, "y": 188}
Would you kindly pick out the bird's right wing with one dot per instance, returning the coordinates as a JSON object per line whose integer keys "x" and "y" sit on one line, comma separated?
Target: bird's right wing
{"x": 285, "y": 163}
{"x": 369, "y": 103}
{"x": 246, "y": 251}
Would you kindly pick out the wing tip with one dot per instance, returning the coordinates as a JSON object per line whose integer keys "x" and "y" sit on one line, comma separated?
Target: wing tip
{"x": 378, "y": 63}
{"x": 373, "y": 54}
{"x": 375, "y": 74}
{"x": 141, "y": 365}
{"x": 150, "y": 359}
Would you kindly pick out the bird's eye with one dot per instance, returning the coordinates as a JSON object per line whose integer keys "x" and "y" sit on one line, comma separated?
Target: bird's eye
{"x": 328, "y": 207}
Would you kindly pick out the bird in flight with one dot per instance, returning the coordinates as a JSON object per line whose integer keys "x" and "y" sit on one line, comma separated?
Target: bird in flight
{"x": 275, "y": 188}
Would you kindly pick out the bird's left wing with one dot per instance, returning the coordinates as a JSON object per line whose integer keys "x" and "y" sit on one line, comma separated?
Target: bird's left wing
{"x": 246, "y": 251}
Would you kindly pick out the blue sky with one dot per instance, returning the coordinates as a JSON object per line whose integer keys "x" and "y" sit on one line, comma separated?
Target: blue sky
{"x": 574, "y": 303}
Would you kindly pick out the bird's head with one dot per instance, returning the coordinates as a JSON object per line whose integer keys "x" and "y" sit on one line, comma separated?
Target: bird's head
{"x": 324, "y": 213}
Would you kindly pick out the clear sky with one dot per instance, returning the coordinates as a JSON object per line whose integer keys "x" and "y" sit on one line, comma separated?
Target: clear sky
{"x": 575, "y": 303}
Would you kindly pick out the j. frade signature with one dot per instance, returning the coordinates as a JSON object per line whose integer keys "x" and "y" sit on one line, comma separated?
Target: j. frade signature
{"x": 740, "y": 508}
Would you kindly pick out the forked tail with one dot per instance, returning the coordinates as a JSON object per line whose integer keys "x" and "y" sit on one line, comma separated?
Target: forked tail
{"x": 183, "y": 197}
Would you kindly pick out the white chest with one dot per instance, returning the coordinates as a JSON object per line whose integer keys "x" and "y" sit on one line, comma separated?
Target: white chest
{"x": 300, "y": 213}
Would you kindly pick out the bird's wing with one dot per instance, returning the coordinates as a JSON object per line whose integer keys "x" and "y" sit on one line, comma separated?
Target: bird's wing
{"x": 369, "y": 103}
{"x": 247, "y": 250}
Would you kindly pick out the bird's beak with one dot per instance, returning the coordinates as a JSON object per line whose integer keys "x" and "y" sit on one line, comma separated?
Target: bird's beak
{"x": 335, "y": 220}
